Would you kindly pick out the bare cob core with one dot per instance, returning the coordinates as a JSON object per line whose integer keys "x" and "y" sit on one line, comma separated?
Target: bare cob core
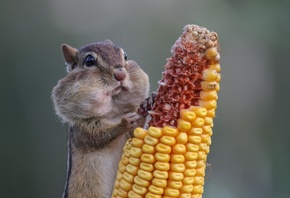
{"x": 180, "y": 86}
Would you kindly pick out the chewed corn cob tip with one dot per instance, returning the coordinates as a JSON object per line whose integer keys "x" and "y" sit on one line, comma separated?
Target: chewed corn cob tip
{"x": 169, "y": 159}
{"x": 191, "y": 75}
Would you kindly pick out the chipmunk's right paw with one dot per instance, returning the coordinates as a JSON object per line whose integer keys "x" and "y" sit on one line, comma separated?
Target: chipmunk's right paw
{"x": 132, "y": 120}
{"x": 147, "y": 105}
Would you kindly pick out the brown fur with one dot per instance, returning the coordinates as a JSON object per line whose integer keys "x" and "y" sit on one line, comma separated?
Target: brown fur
{"x": 99, "y": 110}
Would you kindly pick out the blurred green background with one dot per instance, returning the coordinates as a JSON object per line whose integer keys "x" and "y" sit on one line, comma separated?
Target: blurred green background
{"x": 250, "y": 154}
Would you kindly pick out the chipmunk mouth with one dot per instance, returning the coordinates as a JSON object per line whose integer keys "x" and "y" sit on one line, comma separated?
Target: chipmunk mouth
{"x": 120, "y": 88}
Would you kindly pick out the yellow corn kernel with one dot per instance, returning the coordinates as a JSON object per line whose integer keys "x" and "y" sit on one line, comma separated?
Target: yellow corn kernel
{"x": 171, "y": 192}
{"x": 203, "y": 146}
{"x": 122, "y": 193}
{"x": 175, "y": 176}
{"x": 197, "y": 189}
{"x": 209, "y": 141}
{"x": 132, "y": 194}
{"x": 200, "y": 171}
{"x": 210, "y": 104}
{"x": 132, "y": 169}
{"x": 174, "y": 184}
{"x": 201, "y": 155}
{"x": 151, "y": 195}
{"x": 128, "y": 177}
{"x": 187, "y": 115}
{"x": 185, "y": 195}
{"x": 211, "y": 53}
{"x": 189, "y": 172}
{"x": 117, "y": 184}
{"x": 189, "y": 156}
{"x": 155, "y": 132}
{"x": 210, "y": 113}
{"x": 148, "y": 158}
{"x": 115, "y": 192}
{"x": 194, "y": 139}
{"x": 198, "y": 180}
{"x": 137, "y": 142}
{"x": 177, "y": 167}
{"x": 162, "y": 157}
{"x": 164, "y": 166}
{"x": 183, "y": 125}
{"x": 119, "y": 176}
{"x": 168, "y": 140}
{"x": 148, "y": 149}
{"x": 134, "y": 161}
{"x": 209, "y": 75}
{"x": 217, "y": 87}
{"x": 156, "y": 190}
{"x": 182, "y": 138}
{"x": 146, "y": 167}
{"x": 145, "y": 175}
{"x": 179, "y": 149}
{"x": 191, "y": 147}
{"x": 161, "y": 183}
{"x": 186, "y": 188}
{"x": 150, "y": 140}
{"x": 125, "y": 185}
{"x": 199, "y": 111}
{"x": 122, "y": 167}
{"x": 170, "y": 131}
{"x": 125, "y": 160}
{"x": 207, "y": 150}
{"x": 196, "y": 196}
{"x": 177, "y": 158}
{"x": 209, "y": 86}
{"x": 204, "y": 137}
{"x": 198, "y": 122}
{"x": 218, "y": 79}
{"x": 160, "y": 174}
{"x": 139, "y": 189}
{"x": 200, "y": 163}
{"x": 207, "y": 130}
{"x": 128, "y": 144}
{"x": 208, "y": 120}
{"x": 195, "y": 131}
{"x": 160, "y": 147}
{"x": 141, "y": 182}
{"x": 188, "y": 180}
{"x": 135, "y": 152}
{"x": 208, "y": 95}
{"x": 127, "y": 152}
{"x": 140, "y": 133}
{"x": 190, "y": 164}
{"x": 216, "y": 67}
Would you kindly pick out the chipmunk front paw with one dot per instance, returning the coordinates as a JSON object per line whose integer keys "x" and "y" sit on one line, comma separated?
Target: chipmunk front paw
{"x": 132, "y": 120}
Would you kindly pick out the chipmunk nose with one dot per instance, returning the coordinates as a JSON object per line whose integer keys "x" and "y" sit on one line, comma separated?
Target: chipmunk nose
{"x": 120, "y": 74}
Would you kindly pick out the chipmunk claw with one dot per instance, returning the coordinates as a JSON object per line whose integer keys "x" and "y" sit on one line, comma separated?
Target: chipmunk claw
{"x": 132, "y": 120}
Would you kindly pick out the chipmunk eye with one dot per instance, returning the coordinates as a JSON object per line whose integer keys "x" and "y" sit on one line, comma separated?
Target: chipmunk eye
{"x": 90, "y": 61}
{"x": 125, "y": 55}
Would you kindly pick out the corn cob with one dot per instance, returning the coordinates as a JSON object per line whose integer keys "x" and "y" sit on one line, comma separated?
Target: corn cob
{"x": 169, "y": 159}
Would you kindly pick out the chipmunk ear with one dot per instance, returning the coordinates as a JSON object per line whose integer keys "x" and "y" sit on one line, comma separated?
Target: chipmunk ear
{"x": 109, "y": 41}
{"x": 70, "y": 56}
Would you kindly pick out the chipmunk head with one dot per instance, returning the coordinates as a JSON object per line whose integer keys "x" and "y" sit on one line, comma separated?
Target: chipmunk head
{"x": 100, "y": 82}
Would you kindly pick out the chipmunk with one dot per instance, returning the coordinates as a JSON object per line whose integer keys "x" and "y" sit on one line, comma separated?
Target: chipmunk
{"x": 99, "y": 100}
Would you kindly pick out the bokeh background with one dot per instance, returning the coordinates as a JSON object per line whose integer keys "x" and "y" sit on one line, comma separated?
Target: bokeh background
{"x": 250, "y": 154}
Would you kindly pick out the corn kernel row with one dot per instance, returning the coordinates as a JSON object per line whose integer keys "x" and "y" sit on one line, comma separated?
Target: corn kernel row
{"x": 208, "y": 97}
